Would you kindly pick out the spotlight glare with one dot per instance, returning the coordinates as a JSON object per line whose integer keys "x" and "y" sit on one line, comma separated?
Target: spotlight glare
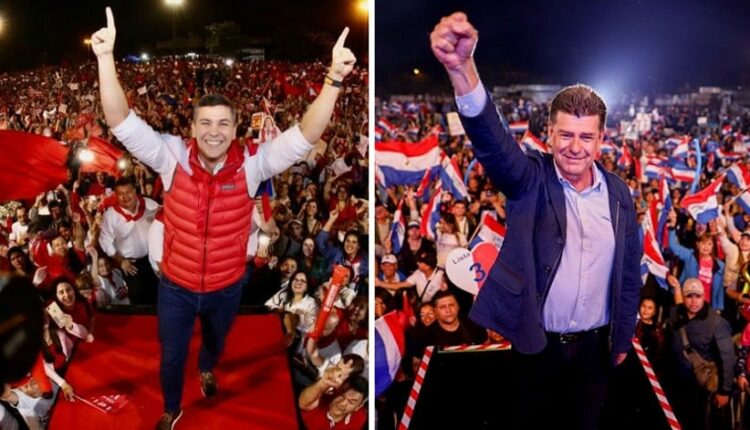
{"x": 85, "y": 155}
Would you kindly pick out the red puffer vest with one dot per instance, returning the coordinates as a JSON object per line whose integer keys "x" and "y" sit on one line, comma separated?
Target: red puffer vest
{"x": 206, "y": 224}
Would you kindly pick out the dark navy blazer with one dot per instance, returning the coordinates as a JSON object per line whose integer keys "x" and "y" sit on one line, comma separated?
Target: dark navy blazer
{"x": 511, "y": 299}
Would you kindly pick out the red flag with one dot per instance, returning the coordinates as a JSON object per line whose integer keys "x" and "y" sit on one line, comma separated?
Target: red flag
{"x": 105, "y": 157}
{"x": 406, "y": 306}
{"x": 30, "y": 165}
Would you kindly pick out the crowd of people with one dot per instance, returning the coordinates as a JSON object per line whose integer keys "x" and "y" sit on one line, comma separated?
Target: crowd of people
{"x": 701, "y": 285}
{"x": 96, "y": 241}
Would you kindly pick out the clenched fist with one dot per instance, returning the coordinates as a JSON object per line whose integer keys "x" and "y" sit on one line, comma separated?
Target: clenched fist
{"x": 103, "y": 41}
{"x": 453, "y": 41}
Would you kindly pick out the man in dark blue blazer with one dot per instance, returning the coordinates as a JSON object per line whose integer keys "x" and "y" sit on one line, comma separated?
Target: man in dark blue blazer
{"x": 565, "y": 287}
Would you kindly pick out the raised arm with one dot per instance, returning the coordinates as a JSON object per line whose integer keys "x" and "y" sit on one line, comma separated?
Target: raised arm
{"x": 453, "y": 41}
{"x": 114, "y": 103}
{"x": 315, "y": 120}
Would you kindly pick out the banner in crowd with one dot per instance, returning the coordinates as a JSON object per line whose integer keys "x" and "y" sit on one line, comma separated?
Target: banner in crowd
{"x": 455, "y": 128}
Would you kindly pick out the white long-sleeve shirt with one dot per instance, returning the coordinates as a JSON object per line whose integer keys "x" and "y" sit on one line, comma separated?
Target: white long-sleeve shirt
{"x": 130, "y": 238}
{"x": 163, "y": 152}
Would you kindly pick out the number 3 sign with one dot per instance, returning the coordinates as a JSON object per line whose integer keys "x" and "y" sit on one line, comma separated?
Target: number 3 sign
{"x": 469, "y": 269}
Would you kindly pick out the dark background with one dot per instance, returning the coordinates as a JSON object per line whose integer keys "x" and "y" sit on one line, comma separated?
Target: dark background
{"x": 51, "y": 31}
{"x": 631, "y": 45}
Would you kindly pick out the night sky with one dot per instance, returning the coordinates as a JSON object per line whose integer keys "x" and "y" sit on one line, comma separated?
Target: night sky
{"x": 45, "y": 31}
{"x": 624, "y": 45}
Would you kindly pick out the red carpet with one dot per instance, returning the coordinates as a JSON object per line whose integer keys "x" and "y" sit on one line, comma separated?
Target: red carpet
{"x": 255, "y": 388}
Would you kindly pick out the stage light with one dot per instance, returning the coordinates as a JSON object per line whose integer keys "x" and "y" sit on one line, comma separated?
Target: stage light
{"x": 364, "y": 7}
{"x": 229, "y": 62}
{"x": 144, "y": 57}
{"x": 85, "y": 155}
{"x": 417, "y": 71}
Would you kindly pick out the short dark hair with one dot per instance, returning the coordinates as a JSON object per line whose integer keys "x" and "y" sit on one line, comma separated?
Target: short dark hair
{"x": 427, "y": 257}
{"x": 579, "y": 100}
{"x": 214, "y": 100}
{"x": 441, "y": 294}
{"x": 125, "y": 181}
{"x": 356, "y": 383}
{"x": 357, "y": 363}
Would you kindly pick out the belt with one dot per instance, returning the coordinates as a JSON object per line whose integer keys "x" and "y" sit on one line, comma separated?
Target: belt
{"x": 565, "y": 338}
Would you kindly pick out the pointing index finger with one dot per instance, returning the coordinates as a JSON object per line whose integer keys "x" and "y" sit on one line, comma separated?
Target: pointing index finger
{"x": 110, "y": 19}
{"x": 342, "y": 38}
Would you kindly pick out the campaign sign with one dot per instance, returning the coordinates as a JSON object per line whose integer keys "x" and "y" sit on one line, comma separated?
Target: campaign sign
{"x": 469, "y": 269}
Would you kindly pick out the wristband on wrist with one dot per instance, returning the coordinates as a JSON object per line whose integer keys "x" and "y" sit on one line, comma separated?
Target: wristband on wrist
{"x": 332, "y": 82}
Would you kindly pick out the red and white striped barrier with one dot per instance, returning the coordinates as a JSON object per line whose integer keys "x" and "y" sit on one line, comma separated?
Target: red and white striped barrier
{"x": 492, "y": 346}
{"x": 663, "y": 402}
{"x": 412, "y": 402}
{"x": 414, "y": 395}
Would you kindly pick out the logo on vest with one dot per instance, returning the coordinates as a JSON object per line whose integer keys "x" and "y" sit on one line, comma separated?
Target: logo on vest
{"x": 227, "y": 187}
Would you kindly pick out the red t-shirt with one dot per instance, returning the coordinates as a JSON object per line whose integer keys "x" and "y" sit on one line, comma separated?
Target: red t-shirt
{"x": 706, "y": 275}
{"x": 317, "y": 419}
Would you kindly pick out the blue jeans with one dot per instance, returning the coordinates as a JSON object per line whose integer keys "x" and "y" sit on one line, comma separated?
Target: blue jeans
{"x": 176, "y": 310}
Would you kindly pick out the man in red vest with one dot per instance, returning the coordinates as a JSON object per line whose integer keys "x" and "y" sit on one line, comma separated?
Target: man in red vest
{"x": 208, "y": 206}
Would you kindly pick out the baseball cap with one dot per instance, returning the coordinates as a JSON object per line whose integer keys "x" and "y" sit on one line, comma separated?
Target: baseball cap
{"x": 389, "y": 258}
{"x": 692, "y": 286}
{"x": 428, "y": 258}
{"x": 413, "y": 224}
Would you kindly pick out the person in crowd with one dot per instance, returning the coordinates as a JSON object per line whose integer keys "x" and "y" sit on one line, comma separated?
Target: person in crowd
{"x": 343, "y": 409}
{"x": 298, "y": 307}
{"x": 708, "y": 335}
{"x": 701, "y": 263}
{"x": 350, "y": 253}
{"x": 124, "y": 239}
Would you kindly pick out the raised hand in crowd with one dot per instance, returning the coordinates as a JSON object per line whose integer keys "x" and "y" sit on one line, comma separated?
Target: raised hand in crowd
{"x": 334, "y": 376}
{"x": 672, "y": 219}
{"x": 332, "y": 216}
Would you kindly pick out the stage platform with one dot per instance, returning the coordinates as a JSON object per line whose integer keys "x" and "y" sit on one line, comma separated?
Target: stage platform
{"x": 255, "y": 387}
